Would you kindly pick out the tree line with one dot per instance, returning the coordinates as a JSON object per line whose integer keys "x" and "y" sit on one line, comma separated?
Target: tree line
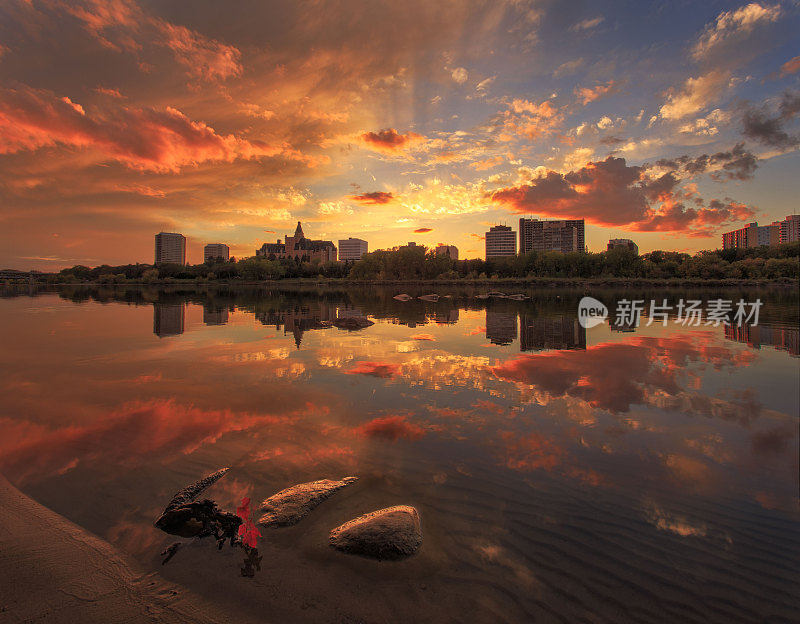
{"x": 417, "y": 263}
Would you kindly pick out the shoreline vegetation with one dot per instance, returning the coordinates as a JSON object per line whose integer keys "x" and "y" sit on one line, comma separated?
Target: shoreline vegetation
{"x": 779, "y": 264}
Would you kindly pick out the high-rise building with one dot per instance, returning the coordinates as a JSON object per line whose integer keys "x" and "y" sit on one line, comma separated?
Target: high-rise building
{"x": 352, "y": 249}
{"x": 170, "y": 248}
{"x": 451, "y": 251}
{"x": 216, "y": 250}
{"x": 752, "y": 235}
{"x": 501, "y": 241}
{"x": 564, "y": 236}
{"x": 625, "y": 243}
{"x": 788, "y": 229}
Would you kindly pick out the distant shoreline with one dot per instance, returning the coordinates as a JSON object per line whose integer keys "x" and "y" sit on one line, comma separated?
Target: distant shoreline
{"x": 548, "y": 282}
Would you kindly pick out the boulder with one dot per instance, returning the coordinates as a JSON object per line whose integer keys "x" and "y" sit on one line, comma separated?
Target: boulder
{"x": 391, "y": 533}
{"x": 403, "y": 297}
{"x": 432, "y": 297}
{"x": 291, "y": 505}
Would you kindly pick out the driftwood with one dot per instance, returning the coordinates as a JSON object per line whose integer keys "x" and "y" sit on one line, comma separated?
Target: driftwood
{"x": 185, "y": 517}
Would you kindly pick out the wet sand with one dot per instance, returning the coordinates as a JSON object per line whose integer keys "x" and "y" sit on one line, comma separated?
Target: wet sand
{"x": 51, "y": 570}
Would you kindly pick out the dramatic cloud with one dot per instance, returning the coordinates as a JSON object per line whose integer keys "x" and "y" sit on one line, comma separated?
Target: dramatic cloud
{"x": 375, "y": 197}
{"x": 590, "y": 94}
{"x": 769, "y": 128}
{"x": 612, "y": 193}
{"x": 735, "y": 164}
{"x": 390, "y": 140}
{"x": 123, "y": 25}
{"x": 695, "y": 95}
{"x": 160, "y": 140}
{"x": 391, "y": 428}
{"x": 732, "y": 29}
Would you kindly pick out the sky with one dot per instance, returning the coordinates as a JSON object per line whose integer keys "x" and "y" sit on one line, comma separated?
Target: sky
{"x": 664, "y": 122}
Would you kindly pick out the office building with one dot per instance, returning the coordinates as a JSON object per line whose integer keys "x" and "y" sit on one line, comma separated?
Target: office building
{"x": 752, "y": 235}
{"x": 451, "y": 251}
{"x": 501, "y": 242}
{"x": 352, "y": 249}
{"x": 299, "y": 248}
{"x": 564, "y": 236}
{"x": 170, "y": 248}
{"x": 625, "y": 243}
{"x": 214, "y": 251}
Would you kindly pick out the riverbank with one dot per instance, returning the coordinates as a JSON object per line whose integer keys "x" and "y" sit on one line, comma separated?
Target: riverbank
{"x": 53, "y": 571}
{"x": 537, "y": 282}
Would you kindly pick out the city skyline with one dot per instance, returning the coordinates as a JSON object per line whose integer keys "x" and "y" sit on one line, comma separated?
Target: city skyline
{"x": 664, "y": 123}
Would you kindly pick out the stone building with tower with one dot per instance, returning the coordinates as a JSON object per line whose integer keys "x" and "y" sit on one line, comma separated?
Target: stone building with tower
{"x": 299, "y": 248}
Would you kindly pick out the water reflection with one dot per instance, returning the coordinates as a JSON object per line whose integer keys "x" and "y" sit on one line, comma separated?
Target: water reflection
{"x": 552, "y": 457}
{"x": 168, "y": 319}
{"x": 781, "y": 338}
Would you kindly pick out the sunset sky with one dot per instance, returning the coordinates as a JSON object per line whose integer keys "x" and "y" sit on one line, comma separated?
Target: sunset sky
{"x": 428, "y": 121}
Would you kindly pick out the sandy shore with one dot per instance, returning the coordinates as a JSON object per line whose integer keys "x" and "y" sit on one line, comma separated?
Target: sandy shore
{"x": 53, "y": 571}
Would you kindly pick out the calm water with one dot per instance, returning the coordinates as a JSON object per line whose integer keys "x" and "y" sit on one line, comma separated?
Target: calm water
{"x": 562, "y": 474}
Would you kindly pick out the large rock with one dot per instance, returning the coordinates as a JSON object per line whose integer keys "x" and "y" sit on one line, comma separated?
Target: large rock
{"x": 291, "y": 505}
{"x": 391, "y": 533}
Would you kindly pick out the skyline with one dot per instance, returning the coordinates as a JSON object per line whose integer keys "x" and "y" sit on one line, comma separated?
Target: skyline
{"x": 665, "y": 123}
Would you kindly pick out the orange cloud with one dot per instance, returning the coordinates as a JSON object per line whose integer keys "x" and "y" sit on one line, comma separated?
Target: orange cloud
{"x": 390, "y": 140}
{"x": 423, "y": 230}
{"x": 792, "y": 66}
{"x": 612, "y": 193}
{"x": 390, "y": 428}
{"x": 141, "y": 138}
{"x": 123, "y": 25}
{"x": 531, "y": 120}
{"x": 375, "y": 197}
{"x": 590, "y": 94}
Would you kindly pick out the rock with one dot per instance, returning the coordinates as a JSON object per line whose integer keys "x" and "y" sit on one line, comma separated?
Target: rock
{"x": 291, "y": 505}
{"x": 403, "y": 297}
{"x": 391, "y": 533}
{"x": 352, "y": 323}
{"x": 432, "y": 297}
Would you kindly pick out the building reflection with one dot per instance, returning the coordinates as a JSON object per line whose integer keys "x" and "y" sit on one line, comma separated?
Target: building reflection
{"x": 781, "y": 338}
{"x": 299, "y": 318}
{"x": 537, "y": 333}
{"x": 168, "y": 319}
{"x": 215, "y": 316}
{"x": 501, "y": 326}
{"x": 446, "y": 317}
